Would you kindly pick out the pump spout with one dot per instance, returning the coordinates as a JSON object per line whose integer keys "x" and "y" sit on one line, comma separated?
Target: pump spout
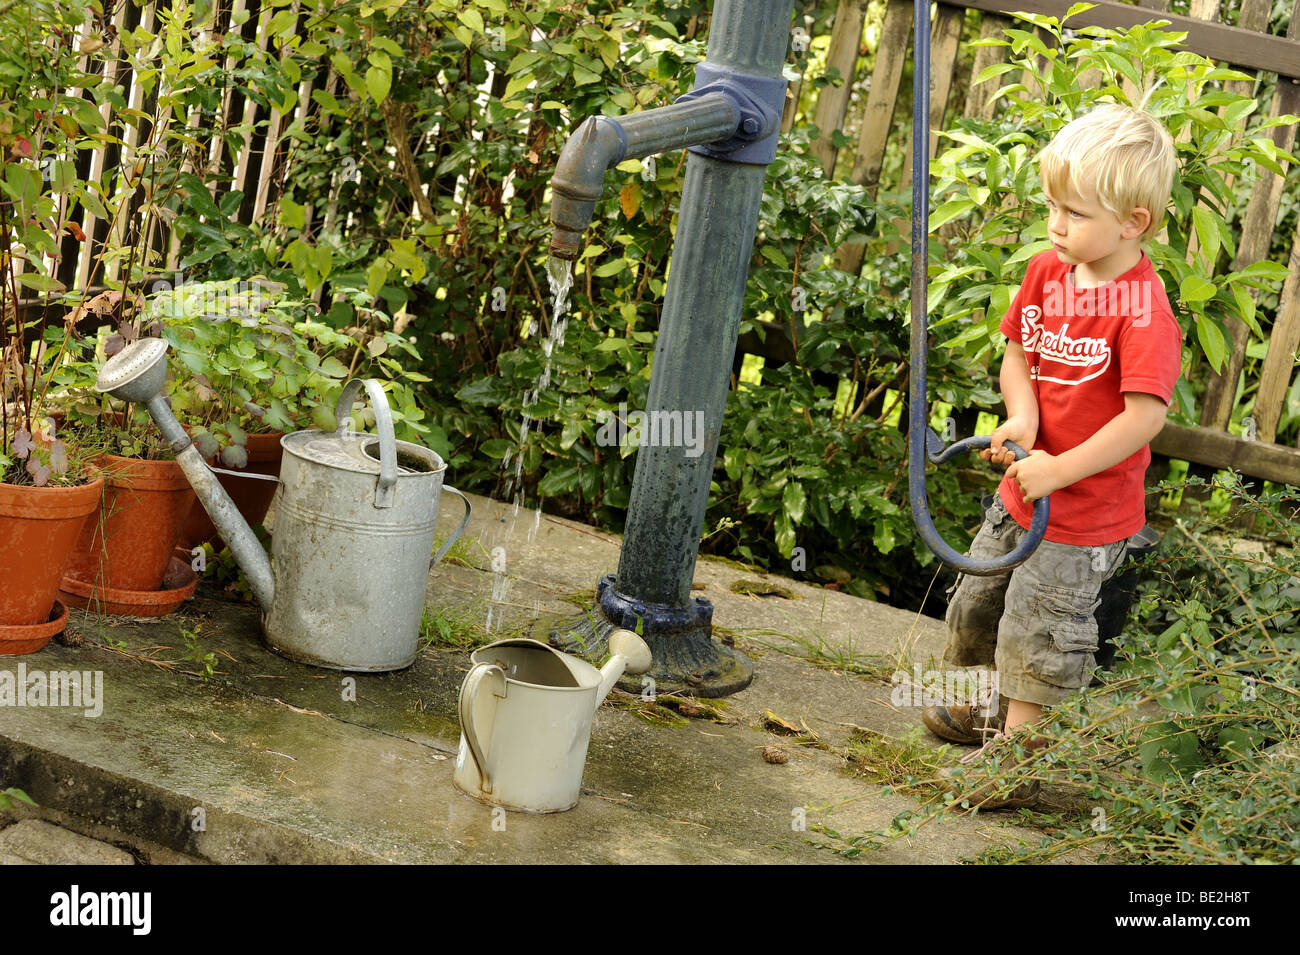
{"x": 602, "y": 142}
{"x": 136, "y": 374}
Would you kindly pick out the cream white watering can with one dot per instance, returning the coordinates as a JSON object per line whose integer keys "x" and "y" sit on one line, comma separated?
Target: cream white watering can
{"x": 525, "y": 717}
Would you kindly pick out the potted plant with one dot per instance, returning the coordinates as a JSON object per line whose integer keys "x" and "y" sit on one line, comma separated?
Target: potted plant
{"x": 241, "y": 376}
{"x": 47, "y": 488}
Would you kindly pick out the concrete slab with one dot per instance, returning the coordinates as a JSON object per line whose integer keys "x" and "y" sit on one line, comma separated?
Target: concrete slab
{"x": 272, "y": 761}
{"x": 33, "y": 842}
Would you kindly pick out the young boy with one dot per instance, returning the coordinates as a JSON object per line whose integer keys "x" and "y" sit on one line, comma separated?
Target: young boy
{"x": 1092, "y": 357}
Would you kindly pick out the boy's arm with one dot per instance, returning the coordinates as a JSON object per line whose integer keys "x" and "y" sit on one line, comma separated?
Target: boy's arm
{"x": 1123, "y": 435}
{"x": 1017, "y": 389}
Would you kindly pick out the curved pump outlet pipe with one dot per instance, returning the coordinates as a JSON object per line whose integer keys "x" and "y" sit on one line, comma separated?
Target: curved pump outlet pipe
{"x": 601, "y": 143}
{"x": 921, "y": 439}
{"x": 728, "y": 115}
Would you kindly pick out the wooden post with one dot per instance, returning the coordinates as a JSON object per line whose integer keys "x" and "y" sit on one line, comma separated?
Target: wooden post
{"x": 846, "y": 39}
{"x": 1256, "y": 237}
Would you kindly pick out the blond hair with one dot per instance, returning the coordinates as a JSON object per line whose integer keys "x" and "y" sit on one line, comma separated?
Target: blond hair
{"x": 1123, "y": 156}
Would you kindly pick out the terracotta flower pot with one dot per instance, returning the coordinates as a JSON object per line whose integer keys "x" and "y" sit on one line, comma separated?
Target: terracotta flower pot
{"x": 251, "y": 496}
{"x": 129, "y": 544}
{"x": 38, "y": 528}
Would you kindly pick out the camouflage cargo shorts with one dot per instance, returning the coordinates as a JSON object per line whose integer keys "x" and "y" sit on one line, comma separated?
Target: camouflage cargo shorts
{"x": 1035, "y": 624}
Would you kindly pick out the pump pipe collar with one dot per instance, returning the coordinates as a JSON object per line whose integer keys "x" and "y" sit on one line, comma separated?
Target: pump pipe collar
{"x": 760, "y": 101}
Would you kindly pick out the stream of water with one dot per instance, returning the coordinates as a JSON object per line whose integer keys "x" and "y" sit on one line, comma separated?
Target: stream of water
{"x": 559, "y": 276}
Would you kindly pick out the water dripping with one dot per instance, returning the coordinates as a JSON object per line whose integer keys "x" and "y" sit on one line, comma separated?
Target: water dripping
{"x": 559, "y": 277}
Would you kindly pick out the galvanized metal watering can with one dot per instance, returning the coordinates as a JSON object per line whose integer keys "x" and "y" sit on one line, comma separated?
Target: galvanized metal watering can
{"x": 525, "y": 718}
{"x": 354, "y": 524}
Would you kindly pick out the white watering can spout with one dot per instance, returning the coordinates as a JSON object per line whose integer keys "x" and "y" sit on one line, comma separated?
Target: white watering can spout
{"x": 628, "y": 653}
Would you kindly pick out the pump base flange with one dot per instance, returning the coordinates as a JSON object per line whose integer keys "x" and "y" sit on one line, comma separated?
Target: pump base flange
{"x": 687, "y": 658}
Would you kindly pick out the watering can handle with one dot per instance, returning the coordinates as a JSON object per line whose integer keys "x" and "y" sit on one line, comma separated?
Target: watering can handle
{"x": 460, "y": 529}
{"x": 465, "y": 707}
{"x": 384, "y": 422}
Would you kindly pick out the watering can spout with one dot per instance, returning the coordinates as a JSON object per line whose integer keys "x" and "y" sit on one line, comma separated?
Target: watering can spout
{"x": 136, "y": 374}
{"x": 628, "y": 653}
{"x": 234, "y": 530}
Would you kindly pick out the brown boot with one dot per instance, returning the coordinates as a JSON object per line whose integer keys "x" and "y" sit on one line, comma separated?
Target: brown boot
{"x": 965, "y": 724}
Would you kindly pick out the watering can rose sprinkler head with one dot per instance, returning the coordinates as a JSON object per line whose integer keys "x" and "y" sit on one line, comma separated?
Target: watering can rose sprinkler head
{"x": 136, "y": 374}
{"x": 632, "y": 649}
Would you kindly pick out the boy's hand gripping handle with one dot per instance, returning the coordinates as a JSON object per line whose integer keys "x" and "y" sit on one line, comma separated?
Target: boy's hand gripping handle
{"x": 964, "y": 562}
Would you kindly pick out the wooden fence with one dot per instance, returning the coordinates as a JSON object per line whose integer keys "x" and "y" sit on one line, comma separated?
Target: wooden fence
{"x": 249, "y": 153}
{"x": 871, "y": 124}
{"x": 243, "y": 144}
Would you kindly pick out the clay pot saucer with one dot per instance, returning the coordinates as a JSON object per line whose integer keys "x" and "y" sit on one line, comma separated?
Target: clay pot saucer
{"x": 178, "y": 586}
{"x": 19, "y": 638}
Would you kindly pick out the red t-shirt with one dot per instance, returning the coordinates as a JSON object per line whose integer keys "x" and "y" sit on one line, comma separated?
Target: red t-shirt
{"x": 1085, "y": 348}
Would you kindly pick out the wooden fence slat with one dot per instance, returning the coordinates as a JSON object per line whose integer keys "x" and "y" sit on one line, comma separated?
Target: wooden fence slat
{"x": 72, "y": 250}
{"x": 979, "y": 104}
{"x": 270, "y": 150}
{"x": 1279, "y": 363}
{"x": 127, "y": 223}
{"x": 1256, "y": 238}
{"x": 1033, "y": 89}
{"x": 1253, "y": 15}
{"x": 206, "y": 32}
{"x": 945, "y": 37}
{"x": 1201, "y": 9}
{"x": 832, "y": 101}
{"x": 104, "y": 158}
{"x": 244, "y": 159}
{"x": 221, "y": 123}
{"x": 891, "y": 54}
